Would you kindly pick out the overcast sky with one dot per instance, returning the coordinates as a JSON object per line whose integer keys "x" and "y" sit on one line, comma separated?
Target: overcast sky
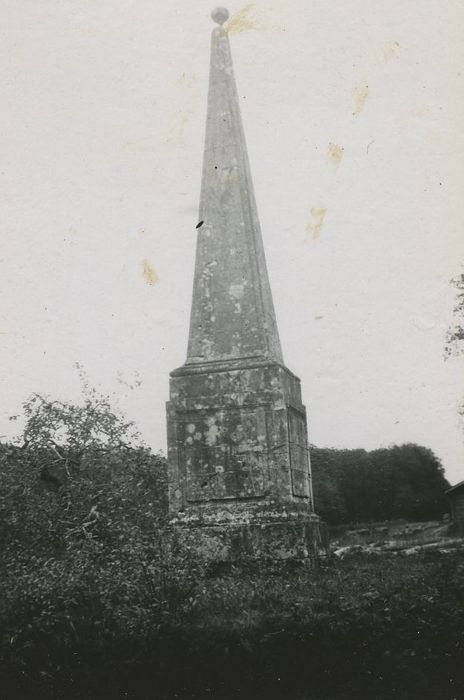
{"x": 353, "y": 113}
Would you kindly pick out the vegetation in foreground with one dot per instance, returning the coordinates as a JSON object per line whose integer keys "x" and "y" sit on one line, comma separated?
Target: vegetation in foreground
{"x": 91, "y": 606}
{"x": 363, "y": 627}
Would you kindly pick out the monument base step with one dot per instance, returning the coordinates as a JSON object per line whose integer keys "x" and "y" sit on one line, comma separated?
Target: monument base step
{"x": 299, "y": 539}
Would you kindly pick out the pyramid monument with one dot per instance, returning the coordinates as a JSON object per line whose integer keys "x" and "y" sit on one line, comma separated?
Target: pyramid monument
{"x": 238, "y": 455}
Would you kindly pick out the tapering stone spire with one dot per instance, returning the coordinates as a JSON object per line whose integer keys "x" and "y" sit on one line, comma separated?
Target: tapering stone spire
{"x": 232, "y": 313}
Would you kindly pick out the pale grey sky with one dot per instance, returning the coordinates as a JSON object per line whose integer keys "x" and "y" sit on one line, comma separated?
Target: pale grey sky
{"x": 353, "y": 113}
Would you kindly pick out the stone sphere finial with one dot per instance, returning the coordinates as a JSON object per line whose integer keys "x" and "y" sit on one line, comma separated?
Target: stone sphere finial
{"x": 220, "y": 15}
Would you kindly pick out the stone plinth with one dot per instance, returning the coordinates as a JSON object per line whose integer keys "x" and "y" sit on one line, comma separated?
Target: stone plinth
{"x": 265, "y": 537}
{"x": 238, "y": 460}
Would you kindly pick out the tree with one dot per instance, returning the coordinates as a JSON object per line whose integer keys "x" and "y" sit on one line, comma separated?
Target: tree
{"x": 405, "y": 481}
{"x": 82, "y": 511}
{"x": 76, "y": 432}
{"x": 79, "y": 473}
{"x": 329, "y": 502}
{"x": 455, "y": 336}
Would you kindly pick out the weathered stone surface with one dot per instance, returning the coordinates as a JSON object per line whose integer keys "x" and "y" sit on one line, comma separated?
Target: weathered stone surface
{"x": 232, "y": 310}
{"x": 297, "y": 539}
{"x": 237, "y": 435}
{"x": 239, "y": 471}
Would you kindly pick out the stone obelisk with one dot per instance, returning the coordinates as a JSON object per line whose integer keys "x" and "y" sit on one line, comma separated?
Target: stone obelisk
{"x": 239, "y": 472}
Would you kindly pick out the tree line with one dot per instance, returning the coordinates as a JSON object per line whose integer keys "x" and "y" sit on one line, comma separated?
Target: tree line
{"x": 402, "y": 481}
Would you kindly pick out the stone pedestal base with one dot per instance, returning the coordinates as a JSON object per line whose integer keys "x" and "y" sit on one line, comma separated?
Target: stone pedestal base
{"x": 267, "y": 540}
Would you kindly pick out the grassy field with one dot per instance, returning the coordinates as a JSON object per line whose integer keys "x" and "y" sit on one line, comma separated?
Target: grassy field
{"x": 361, "y": 626}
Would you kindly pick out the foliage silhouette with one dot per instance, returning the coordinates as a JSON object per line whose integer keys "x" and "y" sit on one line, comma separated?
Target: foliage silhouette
{"x": 405, "y": 481}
